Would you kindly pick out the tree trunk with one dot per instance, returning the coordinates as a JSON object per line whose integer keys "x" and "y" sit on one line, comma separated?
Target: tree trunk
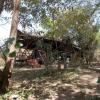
{"x": 10, "y": 60}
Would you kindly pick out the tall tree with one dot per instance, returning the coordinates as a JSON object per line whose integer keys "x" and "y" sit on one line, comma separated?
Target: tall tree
{"x": 77, "y": 24}
{"x": 10, "y": 60}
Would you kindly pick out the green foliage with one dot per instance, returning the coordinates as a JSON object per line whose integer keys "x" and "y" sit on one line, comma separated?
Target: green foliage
{"x": 17, "y": 45}
{"x": 41, "y": 11}
{"x": 76, "y": 24}
{"x": 6, "y": 52}
{"x": 6, "y": 4}
{"x": 47, "y": 22}
{"x": 22, "y": 9}
{"x": 9, "y": 41}
{"x": 98, "y": 81}
{"x": 12, "y": 54}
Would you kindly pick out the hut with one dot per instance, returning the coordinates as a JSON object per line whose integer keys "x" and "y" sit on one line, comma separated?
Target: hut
{"x": 42, "y": 48}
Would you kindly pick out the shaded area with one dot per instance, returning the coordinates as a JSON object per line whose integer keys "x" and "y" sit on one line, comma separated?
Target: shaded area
{"x": 70, "y": 84}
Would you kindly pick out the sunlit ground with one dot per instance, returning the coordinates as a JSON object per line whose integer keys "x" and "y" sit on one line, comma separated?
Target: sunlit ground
{"x": 71, "y": 84}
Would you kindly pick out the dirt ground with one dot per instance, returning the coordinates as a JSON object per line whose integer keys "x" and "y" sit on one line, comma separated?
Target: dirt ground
{"x": 70, "y": 84}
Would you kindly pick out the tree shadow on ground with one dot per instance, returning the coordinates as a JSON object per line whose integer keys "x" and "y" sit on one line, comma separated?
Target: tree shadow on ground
{"x": 69, "y": 94}
{"x": 52, "y": 85}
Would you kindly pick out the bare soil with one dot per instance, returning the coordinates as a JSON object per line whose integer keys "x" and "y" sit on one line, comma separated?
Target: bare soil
{"x": 70, "y": 84}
